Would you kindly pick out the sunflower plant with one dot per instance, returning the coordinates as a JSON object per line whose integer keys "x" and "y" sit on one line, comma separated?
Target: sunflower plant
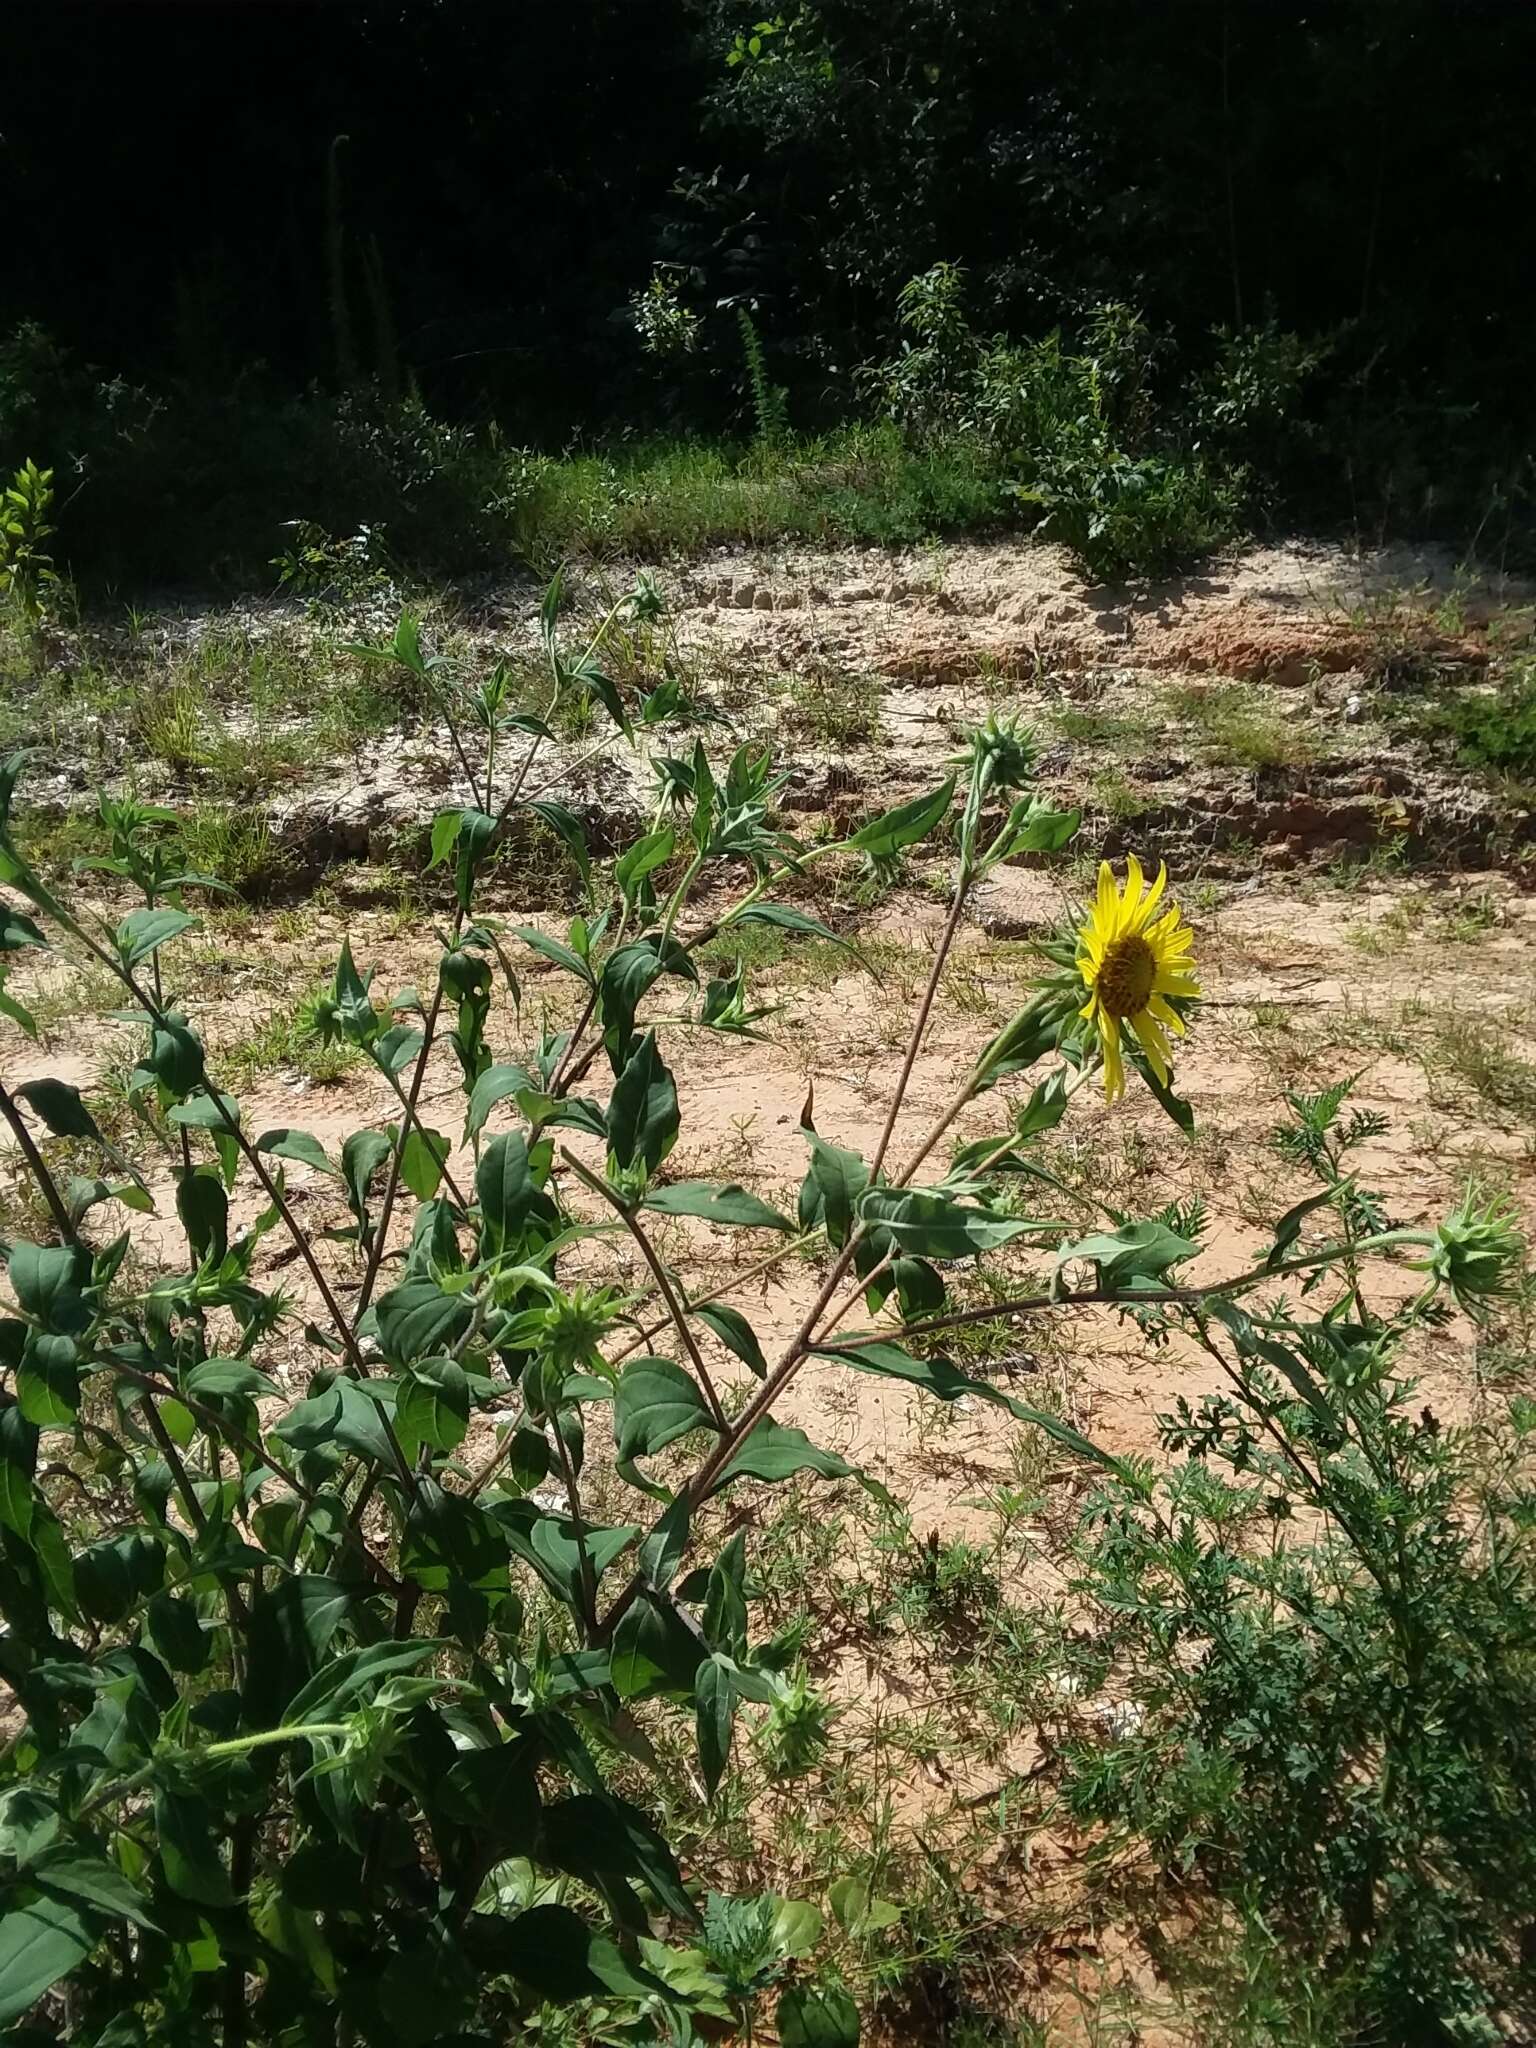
{"x": 340, "y": 1692}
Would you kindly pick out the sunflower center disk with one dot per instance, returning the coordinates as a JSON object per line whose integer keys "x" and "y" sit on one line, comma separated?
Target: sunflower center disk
{"x": 1126, "y": 978}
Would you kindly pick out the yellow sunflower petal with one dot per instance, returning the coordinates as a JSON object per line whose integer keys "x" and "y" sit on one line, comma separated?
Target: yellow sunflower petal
{"x": 1150, "y": 900}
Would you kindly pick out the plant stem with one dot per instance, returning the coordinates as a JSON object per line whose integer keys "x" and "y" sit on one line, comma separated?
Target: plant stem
{"x": 659, "y": 1273}
{"x": 38, "y": 1169}
{"x": 920, "y": 1021}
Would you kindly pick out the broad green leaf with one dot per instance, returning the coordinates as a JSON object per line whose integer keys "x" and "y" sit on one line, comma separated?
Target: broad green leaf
{"x": 445, "y": 834}
{"x": 836, "y": 1179}
{"x": 77, "y": 1874}
{"x": 856, "y": 1911}
{"x": 189, "y": 1850}
{"x": 61, "y": 1107}
{"x": 567, "y": 827}
{"x": 230, "y": 1377}
{"x": 495, "y": 1791}
{"x": 773, "y": 1451}
{"x": 421, "y": 1162}
{"x": 18, "y": 930}
{"x": 784, "y": 919}
{"x": 555, "y": 950}
{"x": 47, "y": 1280}
{"x": 505, "y": 1188}
{"x": 654, "y": 1649}
{"x": 558, "y": 1956}
{"x": 39, "y": 1944}
{"x": 643, "y": 1119}
{"x": 287, "y": 1143}
{"x": 432, "y": 1406}
{"x": 714, "y": 1704}
{"x": 48, "y": 1381}
{"x": 905, "y": 825}
{"x": 936, "y": 1226}
{"x": 647, "y": 854}
{"x": 292, "y": 1625}
{"x": 203, "y": 1208}
{"x": 590, "y": 1835}
{"x": 205, "y": 1112}
{"x": 728, "y": 1204}
{"x": 734, "y": 1332}
{"x": 493, "y": 1086}
{"x": 418, "y": 1319}
{"x": 812, "y": 2018}
{"x": 143, "y": 932}
{"x": 657, "y": 1403}
{"x": 662, "y": 1551}
{"x": 1135, "y": 1252}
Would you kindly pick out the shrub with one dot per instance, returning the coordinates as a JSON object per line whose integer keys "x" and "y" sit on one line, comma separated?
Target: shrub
{"x": 1322, "y": 1625}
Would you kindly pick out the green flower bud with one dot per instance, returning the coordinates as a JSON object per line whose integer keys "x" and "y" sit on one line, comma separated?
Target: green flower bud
{"x": 1476, "y": 1250}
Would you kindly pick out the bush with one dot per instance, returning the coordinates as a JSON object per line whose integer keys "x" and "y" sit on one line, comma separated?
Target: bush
{"x": 1323, "y": 1631}
{"x": 151, "y": 486}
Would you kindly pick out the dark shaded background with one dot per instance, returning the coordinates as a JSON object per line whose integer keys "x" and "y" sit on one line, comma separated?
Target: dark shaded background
{"x": 1365, "y": 163}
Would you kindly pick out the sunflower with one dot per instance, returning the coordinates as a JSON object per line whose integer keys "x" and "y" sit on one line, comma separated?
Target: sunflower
{"x": 1131, "y": 962}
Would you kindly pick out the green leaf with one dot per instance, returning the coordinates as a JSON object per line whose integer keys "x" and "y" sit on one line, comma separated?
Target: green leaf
{"x": 654, "y": 1650}
{"x": 935, "y": 1226}
{"x": 17, "y": 930}
{"x": 203, "y": 1208}
{"x": 554, "y": 1952}
{"x": 657, "y": 1403}
{"x": 734, "y": 1332}
{"x": 505, "y": 1188}
{"x": 496, "y": 1792}
{"x": 351, "y": 1679}
{"x": 493, "y": 1086}
{"x": 1288, "y": 1229}
{"x": 144, "y": 931}
{"x": 47, "y": 1282}
{"x": 286, "y": 1143}
{"x": 643, "y": 1119}
{"x": 39, "y": 1944}
{"x": 714, "y": 1700}
{"x": 856, "y": 1912}
{"x": 205, "y": 1112}
{"x": 591, "y": 1835}
{"x": 432, "y": 1406}
{"x": 175, "y": 1057}
{"x": 836, "y": 1180}
{"x": 445, "y": 834}
{"x": 173, "y": 1627}
{"x": 725, "y": 1598}
{"x": 567, "y": 827}
{"x": 809, "y": 2018}
{"x": 774, "y": 1451}
{"x": 421, "y": 1162}
{"x": 1135, "y": 1252}
{"x": 418, "y": 1319}
{"x": 784, "y": 919}
{"x": 292, "y": 1624}
{"x": 647, "y": 854}
{"x": 361, "y": 1157}
{"x": 222, "y": 1377}
{"x": 61, "y": 1107}
{"x": 662, "y": 1551}
{"x": 78, "y": 1874}
{"x": 189, "y": 1853}
{"x": 729, "y": 1204}
{"x": 905, "y": 825}
{"x": 48, "y": 1381}
{"x": 555, "y": 950}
